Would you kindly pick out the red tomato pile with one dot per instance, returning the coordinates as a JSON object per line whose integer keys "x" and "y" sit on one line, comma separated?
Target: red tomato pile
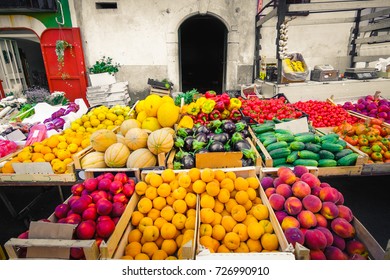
{"x": 268, "y": 109}
{"x": 323, "y": 114}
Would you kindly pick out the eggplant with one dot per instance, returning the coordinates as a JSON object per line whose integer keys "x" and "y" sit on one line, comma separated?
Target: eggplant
{"x": 223, "y": 138}
{"x": 188, "y": 143}
{"x": 202, "y": 151}
{"x": 189, "y": 131}
{"x": 188, "y": 161}
{"x": 228, "y": 127}
{"x": 247, "y": 162}
{"x": 216, "y": 146}
{"x": 202, "y": 129}
{"x": 210, "y": 136}
{"x": 201, "y": 137}
{"x": 241, "y": 145}
{"x": 245, "y": 133}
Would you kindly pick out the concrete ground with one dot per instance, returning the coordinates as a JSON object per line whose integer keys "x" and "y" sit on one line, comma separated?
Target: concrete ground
{"x": 367, "y": 196}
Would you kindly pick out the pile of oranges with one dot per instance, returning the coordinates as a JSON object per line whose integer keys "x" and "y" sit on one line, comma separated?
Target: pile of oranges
{"x": 233, "y": 218}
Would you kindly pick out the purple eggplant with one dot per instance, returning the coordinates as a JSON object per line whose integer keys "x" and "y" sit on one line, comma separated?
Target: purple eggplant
{"x": 228, "y": 127}
{"x": 216, "y": 146}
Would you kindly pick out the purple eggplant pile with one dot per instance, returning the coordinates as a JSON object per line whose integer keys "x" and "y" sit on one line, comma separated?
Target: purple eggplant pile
{"x": 216, "y": 136}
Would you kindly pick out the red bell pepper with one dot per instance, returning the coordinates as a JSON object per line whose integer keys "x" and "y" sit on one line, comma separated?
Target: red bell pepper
{"x": 203, "y": 116}
{"x": 215, "y": 115}
{"x": 225, "y": 98}
{"x": 210, "y": 94}
{"x": 220, "y": 106}
{"x": 235, "y": 115}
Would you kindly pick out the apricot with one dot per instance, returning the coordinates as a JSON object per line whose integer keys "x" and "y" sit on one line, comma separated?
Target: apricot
{"x": 334, "y": 253}
{"x": 343, "y": 228}
{"x": 294, "y": 235}
{"x": 315, "y": 239}
{"x": 345, "y": 212}
{"x": 312, "y": 203}
{"x": 284, "y": 189}
{"x": 329, "y": 194}
{"x": 329, "y": 210}
{"x": 277, "y": 201}
{"x": 307, "y": 219}
{"x": 300, "y": 189}
{"x": 311, "y": 180}
{"x": 293, "y": 206}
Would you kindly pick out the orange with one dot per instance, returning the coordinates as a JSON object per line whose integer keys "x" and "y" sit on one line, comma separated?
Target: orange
{"x": 62, "y": 145}
{"x": 179, "y": 193}
{"x": 243, "y": 248}
{"x": 205, "y": 230}
{"x": 190, "y": 199}
{"x": 260, "y": 212}
{"x": 52, "y": 142}
{"x": 133, "y": 249}
{"x": 238, "y": 213}
{"x": 241, "y": 184}
{"x": 179, "y": 220}
{"x": 63, "y": 154}
{"x": 228, "y": 184}
{"x": 269, "y": 241}
{"x": 159, "y": 202}
{"x": 218, "y": 232}
{"x": 185, "y": 181}
{"x": 253, "y": 182}
{"x": 144, "y": 205}
{"x": 168, "y": 230}
{"x": 212, "y": 188}
{"x": 149, "y": 248}
{"x": 231, "y": 240}
{"x": 169, "y": 246}
{"x": 207, "y": 175}
{"x": 223, "y": 195}
{"x": 153, "y": 214}
{"x": 141, "y": 187}
{"x": 219, "y": 175}
{"x": 180, "y": 206}
{"x": 168, "y": 175}
{"x": 164, "y": 190}
{"x": 241, "y": 197}
{"x": 255, "y": 230}
{"x": 199, "y": 186}
{"x": 254, "y": 245}
{"x": 134, "y": 236}
{"x": 167, "y": 213}
{"x": 194, "y": 173}
{"x": 207, "y": 201}
{"x": 136, "y": 217}
{"x": 35, "y": 156}
{"x": 228, "y": 223}
{"x": 151, "y": 193}
{"x": 155, "y": 180}
{"x": 242, "y": 231}
{"x": 206, "y": 215}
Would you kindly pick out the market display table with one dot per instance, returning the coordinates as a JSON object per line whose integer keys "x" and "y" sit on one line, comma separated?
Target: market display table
{"x": 323, "y": 90}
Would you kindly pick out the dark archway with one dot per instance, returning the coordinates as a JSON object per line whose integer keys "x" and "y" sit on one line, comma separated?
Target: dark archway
{"x": 202, "y": 48}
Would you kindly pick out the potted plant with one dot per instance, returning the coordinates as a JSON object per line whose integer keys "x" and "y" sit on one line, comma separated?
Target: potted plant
{"x": 103, "y": 71}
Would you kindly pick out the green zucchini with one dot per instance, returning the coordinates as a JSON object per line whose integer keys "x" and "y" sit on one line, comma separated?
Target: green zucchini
{"x": 278, "y": 161}
{"x": 277, "y": 145}
{"x": 269, "y": 140}
{"x": 327, "y": 163}
{"x": 331, "y": 137}
{"x": 280, "y": 153}
{"x": 342, "y": 143}
{"x": 305, "y": 154}
{"x": 324, "y": 154}
{"x": 284, "y": 137}
{"x": 315, "y": 148}
{"x": 259, "y": 129}
{"x": 305, "y": 138}
{"x": 331, "y": 147}
{"x": 343, "y": 153}
{"x": 348, "y": 160}
{"x": 305, "y": 162}
{"x": 293, "y": 156}
{"x": 297, "y": 146}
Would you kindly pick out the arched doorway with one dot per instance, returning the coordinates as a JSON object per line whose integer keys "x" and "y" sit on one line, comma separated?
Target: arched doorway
{"x": 202, "y": 50}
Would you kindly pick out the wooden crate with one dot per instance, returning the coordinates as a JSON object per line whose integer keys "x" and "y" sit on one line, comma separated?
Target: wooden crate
{"x": 323, "y": 171}
{"x": 160, "y": 92}
{"x": 286, "y": 251}
{"x": 218, "y": 159}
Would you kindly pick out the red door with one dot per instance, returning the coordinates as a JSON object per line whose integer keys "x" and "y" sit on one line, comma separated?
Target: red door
{"x": 69, "y": 76}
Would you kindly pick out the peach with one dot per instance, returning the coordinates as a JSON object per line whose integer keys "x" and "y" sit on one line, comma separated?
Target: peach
{"x": 105, "y": 228}
{"x": 307, "y": 219}
{"x": 343, "y": 228}
{"x": 329, "y": 194}
{"x": 334, "y": 253}
{"x": 299, "y": 170}
{"x": 109, "y": 176}
{"x": 73, "y": 199}
{"x": 356, "y": 247}
{"x": 289, "y": 221}
{"x": 91, "y": 184}
{"x": 315, "y": 191}
{"x": 122, "y": 177}
{"x": 120, "y": 197}
{"x": 311, "y": 180}
{"x": 321, "y": 220}
{"x": 104, "y": 207}
{"x": 286, "y": 175}
{"x": 338, "y": 241}
{"x": 317, "y": 255}
{"x": 345, "y": 212}
{"x": 129, "y": 188}
{"x": 324, "y": 184}
{"x": 117, "y": 209}
{"x": 80, "y": 205}
{"x": 73, "y": 218}
{"x": 76, "y": 253}
{"x": 280, "y": 215}
{"x": 116, "y": 187}
{"x": 267, "y": 182}
{"x": 300, "y": 189}
{"x": 329, "y": 210}
{"x": 86, "y": 229}
{"x": 315, "y": 239}
{"x": 270, "y": 191}
{"x": 328, "y": 235}
{"x": 292, "y": 206}
{"x": 61, "y": 211}
{"x": 277, "y": 201}
{"x": 104, "y": 184}
{"x": 277, "y": 182}
{"x": 294, "y": 235}
{"x": 312, "y": 203}
{"x": 284, "y": 189}
{"x": 89, "y": 214}
{"x": 341, "y": 199}
{"x": 76, "y": 189}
